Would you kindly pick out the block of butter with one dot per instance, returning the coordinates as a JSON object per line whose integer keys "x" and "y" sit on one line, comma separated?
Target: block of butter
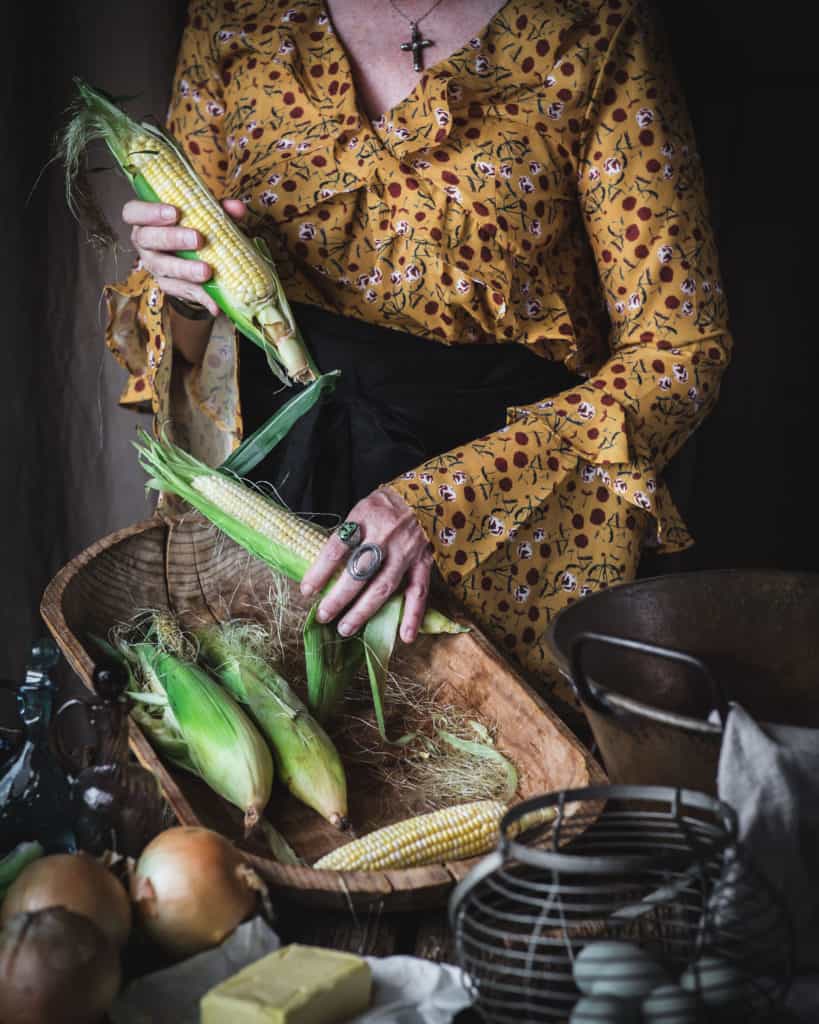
{"x": 294, "y": 985}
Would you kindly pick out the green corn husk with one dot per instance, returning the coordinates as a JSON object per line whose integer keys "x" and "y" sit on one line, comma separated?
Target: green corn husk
{"x": 258, "y": 445}
{"x": 201, "y": 728}
{"x": 331, "y": 661}
{"x": 265, "y": 317}
{"x": 306, "y": 759}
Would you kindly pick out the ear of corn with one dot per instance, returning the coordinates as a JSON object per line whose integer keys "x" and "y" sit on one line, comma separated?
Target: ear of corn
{"x": 306, "y": 759}
{"x": 454, "y": 833}
{"x": 244, "y": 284}
{"x": 260, "y": 525}
{"x": 207, "y": 731}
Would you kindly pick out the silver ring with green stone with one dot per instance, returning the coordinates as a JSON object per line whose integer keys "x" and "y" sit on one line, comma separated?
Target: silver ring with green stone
{"x": 349, "y": 533}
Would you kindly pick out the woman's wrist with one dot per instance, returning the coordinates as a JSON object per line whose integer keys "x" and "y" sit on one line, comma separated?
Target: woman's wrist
{"x": 188, "y": 310}
{"x": 189, "y": 336}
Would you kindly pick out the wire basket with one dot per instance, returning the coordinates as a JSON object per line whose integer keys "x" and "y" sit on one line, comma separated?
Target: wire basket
{"x": 654, "y": 867}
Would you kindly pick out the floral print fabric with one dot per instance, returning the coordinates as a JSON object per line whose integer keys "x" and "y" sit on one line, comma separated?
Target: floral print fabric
{"x": 540, "y": 186}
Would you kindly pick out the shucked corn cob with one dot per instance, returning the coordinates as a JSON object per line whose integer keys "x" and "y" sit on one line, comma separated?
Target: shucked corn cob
{"x": 454, "y": 833}
{"x": 244, "y": 284}
{"x": 303, "y": 539}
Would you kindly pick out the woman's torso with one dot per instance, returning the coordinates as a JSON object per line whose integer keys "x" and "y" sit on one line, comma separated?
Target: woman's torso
{"x": 455, "y": 217}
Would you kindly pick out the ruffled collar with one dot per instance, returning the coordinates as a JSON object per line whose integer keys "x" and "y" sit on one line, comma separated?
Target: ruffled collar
{"x": 423, "y": 117}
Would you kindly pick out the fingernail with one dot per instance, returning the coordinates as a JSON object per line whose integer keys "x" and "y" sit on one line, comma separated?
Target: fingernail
{"x": 322, "y": 615}
{"x": 406, "y": 636}
{"x": 204, "y": 272}
{"x": 307, "y": 590}
{"x": 168, "y": 213}
{"x": 190, "y": 239}
{"x": 344, "y": 629}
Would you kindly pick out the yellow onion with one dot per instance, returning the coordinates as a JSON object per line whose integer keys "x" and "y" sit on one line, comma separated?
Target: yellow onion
{"x": 192, "y": 888}
{"x": 77, "y": 882}
{"x": 56, "y": 967}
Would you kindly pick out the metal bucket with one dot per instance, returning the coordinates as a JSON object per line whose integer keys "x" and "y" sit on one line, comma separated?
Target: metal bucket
{"x": 651, "y": 660}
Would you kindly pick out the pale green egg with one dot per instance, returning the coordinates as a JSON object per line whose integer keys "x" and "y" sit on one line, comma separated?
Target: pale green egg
{"x": 718, "y": 981}
{"x": 619, "y": 969}
{"x": 670, "y": 1004}
{"x": 604, "y": 1010}
{"x": 611, "y": 968}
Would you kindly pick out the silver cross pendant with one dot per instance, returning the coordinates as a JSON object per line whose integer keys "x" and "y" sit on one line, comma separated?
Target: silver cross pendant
{"x": 417, "y": 44}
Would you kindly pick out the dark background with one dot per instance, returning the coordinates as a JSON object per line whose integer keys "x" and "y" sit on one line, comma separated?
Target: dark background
{"x": 751, "y": 92}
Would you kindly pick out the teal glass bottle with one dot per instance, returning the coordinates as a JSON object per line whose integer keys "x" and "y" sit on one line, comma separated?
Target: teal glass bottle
{"x": 35, "y": 796}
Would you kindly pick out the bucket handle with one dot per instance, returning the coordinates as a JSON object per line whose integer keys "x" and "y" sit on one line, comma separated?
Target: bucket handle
{"x": 596, "y": 702}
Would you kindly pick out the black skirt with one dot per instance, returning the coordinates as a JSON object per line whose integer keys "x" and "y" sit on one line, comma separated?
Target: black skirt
{"x": 399, "y": 401}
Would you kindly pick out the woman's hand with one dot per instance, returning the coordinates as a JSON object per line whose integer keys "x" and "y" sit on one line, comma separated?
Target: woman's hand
{"x": 156, "y": 239}
{"x": 385, "y": 519}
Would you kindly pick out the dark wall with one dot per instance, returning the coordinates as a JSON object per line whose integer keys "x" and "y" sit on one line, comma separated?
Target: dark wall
{"x": 752, "y": 88}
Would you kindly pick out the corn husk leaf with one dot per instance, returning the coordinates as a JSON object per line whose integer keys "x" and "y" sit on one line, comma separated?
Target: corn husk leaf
{"x": 203, "y": 728}
{"x": 379, "y": 636}
{"x": 260, "y": 443}
{"x": 484, "y": 750}
{"x": 307, "y": 761}
{"x": 280, "y": 849}
{"x": 330, "y": 662}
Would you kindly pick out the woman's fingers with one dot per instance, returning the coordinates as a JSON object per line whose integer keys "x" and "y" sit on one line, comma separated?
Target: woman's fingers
{"x": 384, "y": 519}
{"x": 415, "y": 597}
{"x": 331, "y": 558}
{"x": 136, "y": 211}
{"x": 372, "y": 598}
{"x": 156, "y": 239}
{"x": 235, "y": 207}
{"x": 189, "y": 292}
{"x": 144, "y": 236}
{"x": 162, "y": 265}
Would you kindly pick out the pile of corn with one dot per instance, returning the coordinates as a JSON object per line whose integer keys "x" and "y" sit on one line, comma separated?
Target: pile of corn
{"x": 213, "y": 705}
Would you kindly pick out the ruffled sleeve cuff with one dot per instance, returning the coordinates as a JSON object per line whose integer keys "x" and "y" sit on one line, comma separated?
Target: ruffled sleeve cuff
{"x": 474, "y": 499}
{"x": 134, "y": 333}
{"x": 196, "y": 406}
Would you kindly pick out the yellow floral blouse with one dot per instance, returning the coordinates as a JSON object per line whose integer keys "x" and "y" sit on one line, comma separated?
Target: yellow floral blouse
{"x": 540, "y": 186}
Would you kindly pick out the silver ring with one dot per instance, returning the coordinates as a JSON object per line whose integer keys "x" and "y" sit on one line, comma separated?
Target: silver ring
{"x": 349, "y": 533}
{"x": 374, "y": 564}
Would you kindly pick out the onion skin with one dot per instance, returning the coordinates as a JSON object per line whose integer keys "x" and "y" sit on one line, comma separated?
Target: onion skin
{"x": 191, "y": 889}
{"x": 56, "y": 967}
{"x": 80, "y": 884}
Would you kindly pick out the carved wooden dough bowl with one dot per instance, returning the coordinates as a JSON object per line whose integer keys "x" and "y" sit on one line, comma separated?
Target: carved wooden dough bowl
{"x": 182, "y": 564}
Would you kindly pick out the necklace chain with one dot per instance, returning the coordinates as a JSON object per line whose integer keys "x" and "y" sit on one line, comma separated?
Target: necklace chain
{"x": 415, "y": 21}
